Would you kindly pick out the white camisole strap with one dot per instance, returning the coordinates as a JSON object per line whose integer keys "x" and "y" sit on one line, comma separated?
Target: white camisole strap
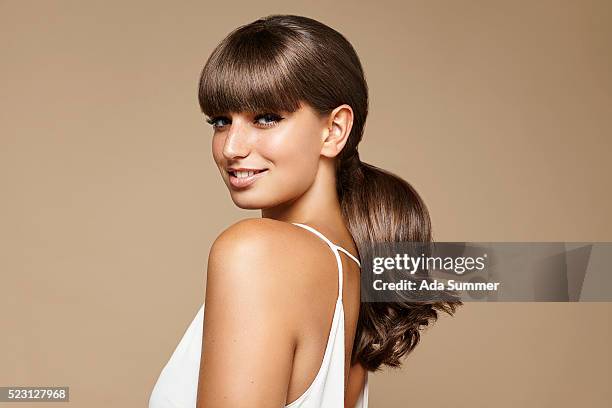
{"x": 349, "y": 254}
{"x": 335, "y": 248}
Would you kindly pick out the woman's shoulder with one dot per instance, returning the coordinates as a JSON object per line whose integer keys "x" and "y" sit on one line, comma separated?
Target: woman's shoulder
{"x": 267, "y": 263}
{"x": 268, "y": 247}
{"x": 256, "y": 233}
{"x": 266, "y": 234}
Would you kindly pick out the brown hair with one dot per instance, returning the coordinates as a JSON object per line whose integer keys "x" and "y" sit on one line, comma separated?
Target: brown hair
{"x": 273, "y": 64}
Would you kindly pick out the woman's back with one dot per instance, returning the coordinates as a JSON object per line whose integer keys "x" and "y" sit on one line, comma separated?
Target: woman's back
{"x": 326, "y": 327}
{"x": 336, "y": 328}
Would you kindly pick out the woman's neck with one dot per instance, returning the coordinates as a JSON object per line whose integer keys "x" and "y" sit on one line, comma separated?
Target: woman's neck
{"x": 319, "y": 205}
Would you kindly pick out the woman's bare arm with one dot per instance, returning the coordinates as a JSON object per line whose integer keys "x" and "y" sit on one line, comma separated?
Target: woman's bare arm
{"x": 356, "y": 382}
{"x": 249, "y": 330}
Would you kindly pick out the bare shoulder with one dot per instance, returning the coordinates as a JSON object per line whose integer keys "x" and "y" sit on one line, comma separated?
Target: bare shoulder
{"x": 259, "y": 240}
{"x": 252, "y": 231}
{"x": 264, "y": 242}
{"x": 270, "y": 256}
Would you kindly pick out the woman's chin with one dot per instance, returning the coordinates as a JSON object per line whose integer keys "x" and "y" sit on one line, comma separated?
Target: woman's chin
{"x": 256, "y": 201}
{"x": 248, "y": 203}
{"x": 247, "y": 206}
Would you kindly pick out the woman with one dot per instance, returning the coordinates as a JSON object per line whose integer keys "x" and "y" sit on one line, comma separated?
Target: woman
{"x": 287, "y": 98}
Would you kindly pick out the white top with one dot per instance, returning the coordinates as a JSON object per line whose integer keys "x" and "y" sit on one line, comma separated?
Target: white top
{"x": 177, "y": 384}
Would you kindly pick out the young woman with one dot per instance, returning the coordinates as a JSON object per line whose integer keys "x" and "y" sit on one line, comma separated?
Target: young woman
{"x": 284, "y": 326}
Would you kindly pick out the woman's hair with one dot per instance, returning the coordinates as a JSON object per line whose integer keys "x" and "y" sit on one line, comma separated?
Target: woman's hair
{"x": 273, "y": 64}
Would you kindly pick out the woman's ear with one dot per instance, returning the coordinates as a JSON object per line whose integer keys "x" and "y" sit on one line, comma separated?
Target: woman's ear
{"x": 339, "y": 125}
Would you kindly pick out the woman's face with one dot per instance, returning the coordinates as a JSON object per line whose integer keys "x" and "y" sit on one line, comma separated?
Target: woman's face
{"x": 266, "y": 158}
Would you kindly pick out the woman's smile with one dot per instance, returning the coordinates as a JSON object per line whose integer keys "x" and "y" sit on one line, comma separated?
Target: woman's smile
{"x": 243, "y": 177}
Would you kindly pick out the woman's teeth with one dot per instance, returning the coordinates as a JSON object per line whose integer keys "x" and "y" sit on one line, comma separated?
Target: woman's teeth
{"x": 244, "y": 178}
{"x": 244, "y": 174}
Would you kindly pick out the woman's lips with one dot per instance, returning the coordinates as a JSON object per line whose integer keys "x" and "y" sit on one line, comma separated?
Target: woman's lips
{"x": 241, "y": 182}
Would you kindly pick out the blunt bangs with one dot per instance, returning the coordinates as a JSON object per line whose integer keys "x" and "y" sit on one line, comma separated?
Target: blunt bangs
{"x": 250, "y": 71}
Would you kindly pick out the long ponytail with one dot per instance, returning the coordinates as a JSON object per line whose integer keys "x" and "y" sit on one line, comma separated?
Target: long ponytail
{"x": 380, "y": 207}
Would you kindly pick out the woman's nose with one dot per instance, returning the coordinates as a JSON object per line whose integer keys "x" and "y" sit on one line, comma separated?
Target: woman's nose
{"x": 237, "y": 141}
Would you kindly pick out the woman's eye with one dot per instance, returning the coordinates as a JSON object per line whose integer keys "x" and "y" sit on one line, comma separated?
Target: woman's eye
{"x": 268, "y": 119}
{"x": 265, "y": 120}
{"x": 217, "y": 122}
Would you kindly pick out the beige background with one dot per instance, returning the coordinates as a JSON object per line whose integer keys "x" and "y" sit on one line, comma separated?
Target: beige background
{"x": 499, "y": 113}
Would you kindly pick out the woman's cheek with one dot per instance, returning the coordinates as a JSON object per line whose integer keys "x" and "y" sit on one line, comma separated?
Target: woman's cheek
{"x": 217, "y": 148}
{"x": 297, "y": 177}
